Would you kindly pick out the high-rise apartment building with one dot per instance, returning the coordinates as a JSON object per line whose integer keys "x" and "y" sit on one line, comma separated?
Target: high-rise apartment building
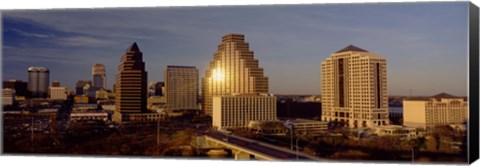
{"x": 440, "y": 109}
{"x": 131, "y": 85}
{"x": 237, "y": 111}
{"x": 181, "y": 86}
{"x": 354, "y": 88}
{"x": 19, "y": 86}
{"x": 38, "y": 81}
{"x": 233, "y": 70}
{"x": 99, "y": 77}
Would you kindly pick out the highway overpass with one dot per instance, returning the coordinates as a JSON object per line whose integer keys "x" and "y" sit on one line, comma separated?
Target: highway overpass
{"x": 247, "y": 149}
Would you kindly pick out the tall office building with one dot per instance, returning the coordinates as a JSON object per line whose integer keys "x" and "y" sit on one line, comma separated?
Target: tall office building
{"x": 99, "y": 76}
{"x": 19, "y": 86}
{"x": 354, "y": 88}
{"x": 233, "y": 70}
{"x": 80, "y": 85}
{"x": 441, "y": 109}
{"x": 181, "y": 85}
{"x": 131, "y": 84}
{"x": 38, "y": 81}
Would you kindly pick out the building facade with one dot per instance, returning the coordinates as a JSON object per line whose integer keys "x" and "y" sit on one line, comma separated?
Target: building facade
{"x": 181, "y": 87}
{"x": 99, "y": 77}
{"x": 232, "y": 70}
{"x": 131, "y": 84}
{"x": 159, "y": 89}
{"x": 19, "y": 86}
{"x": 58, "y": 93}
{"x": 440, "y": 109}
{"x": 38, "y": 81}
{"x": 55, "y": 83}
{"x": 80, "y": 85}
{"x": 307, "y": 127}
{"x": 354, "y": 88}
{"x": 236, "y": 111}
{"x": 8, "y": 96}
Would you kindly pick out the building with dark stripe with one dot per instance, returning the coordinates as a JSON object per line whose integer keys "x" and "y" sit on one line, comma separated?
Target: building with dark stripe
{"x": 354, "y": 88}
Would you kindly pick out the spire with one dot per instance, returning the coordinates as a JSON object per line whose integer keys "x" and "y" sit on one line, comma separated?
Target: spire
{"x": 133, "y": 48}
{"x": 351, "y": 48}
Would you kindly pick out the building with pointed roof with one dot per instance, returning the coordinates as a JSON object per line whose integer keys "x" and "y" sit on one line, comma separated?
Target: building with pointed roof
{"x": 354, "y": 88}
{"x": 131, "y": 85}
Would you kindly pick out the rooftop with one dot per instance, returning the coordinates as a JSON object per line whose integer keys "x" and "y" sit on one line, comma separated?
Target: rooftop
{"x": 133, "y": 48}
{"x": 351, "y": 48}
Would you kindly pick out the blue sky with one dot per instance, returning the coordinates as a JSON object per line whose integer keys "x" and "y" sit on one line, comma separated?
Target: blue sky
{"x": 425, "y": 44}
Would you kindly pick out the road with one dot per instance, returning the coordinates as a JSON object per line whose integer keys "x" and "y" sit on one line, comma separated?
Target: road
{"x": 259, "y": 147}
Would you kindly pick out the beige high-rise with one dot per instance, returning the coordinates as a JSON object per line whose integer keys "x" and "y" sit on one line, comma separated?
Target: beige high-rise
{"x": 232, "y": 71}
{"x": 354, "y": 88}
{"x": 181, "y": 86}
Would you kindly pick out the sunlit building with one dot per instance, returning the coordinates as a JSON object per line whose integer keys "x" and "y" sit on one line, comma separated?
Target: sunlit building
{"x": 131, "y": 85}
{"x": 354, "y": 88}
{"x": 58, "y": 93}
{"x": 237, "y": 111}
{"x": 38, "y": 81}
{"x": 437, "y": 110}
{"x": 99, "y": 76}
{"x": 8, "y": 96}
{"x": 233, "y": 70}
{"x": 181, "y": 87}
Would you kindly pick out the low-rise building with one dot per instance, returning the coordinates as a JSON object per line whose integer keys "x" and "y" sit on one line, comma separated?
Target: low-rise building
{"x": 396, "y": 131}
{"x": 268, "y": 127}
{"x": 88, "y": 116}
{"x": 81, "y": 99}
{"x": 58, "y": 93}
{"x": 438, "y": 110}
{"x": 306, "y": 126}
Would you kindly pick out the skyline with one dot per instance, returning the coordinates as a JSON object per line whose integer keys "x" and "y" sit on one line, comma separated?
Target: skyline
{"x": 280, "y": 32}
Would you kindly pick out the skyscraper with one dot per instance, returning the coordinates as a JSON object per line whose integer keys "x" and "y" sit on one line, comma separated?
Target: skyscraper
{"x": 233, "y": 70}
{"x": 354, "y": 88}
{"x": 131, "y": 84}
{"x": 99, "y": 76}
{"x": 38, "y": 81}
{"x": 181, "y": 86}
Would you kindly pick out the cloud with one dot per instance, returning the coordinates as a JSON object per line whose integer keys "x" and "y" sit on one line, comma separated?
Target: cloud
{"x": 84, "y": 41}
{"x": 30, "y": 34}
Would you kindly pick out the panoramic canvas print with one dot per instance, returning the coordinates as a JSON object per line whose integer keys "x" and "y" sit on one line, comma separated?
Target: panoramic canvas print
{"x": 320, "y": 82}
